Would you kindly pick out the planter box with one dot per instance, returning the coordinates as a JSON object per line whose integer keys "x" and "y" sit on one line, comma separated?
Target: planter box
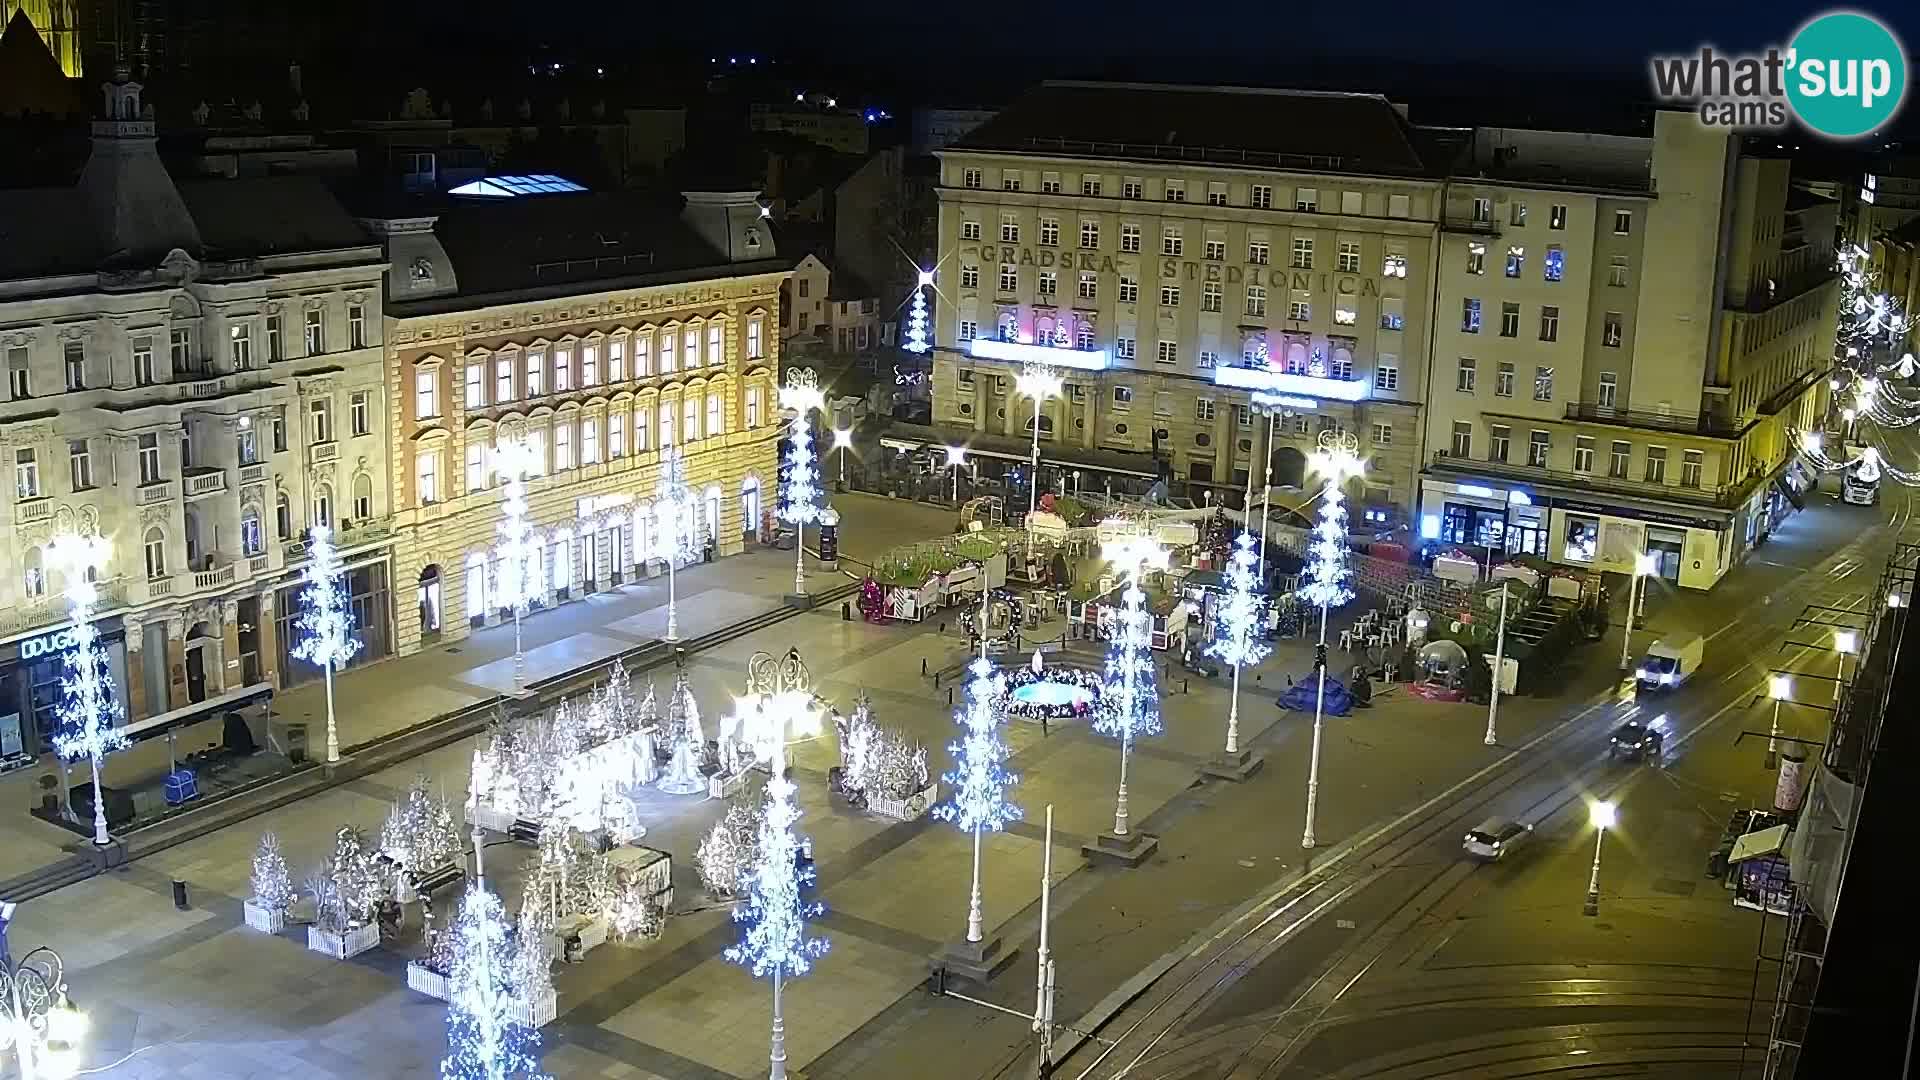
{"x": 913, "y": 807}
{"x": 343, "y": 946}
{"x": 542, "y": 1012}
{"x": 264, "y": 919}
{"x": 725, "y": 787}
{"x": 592, "y": 930}
{"x": 425, "y": 980}
{"x": 652, "y": 869}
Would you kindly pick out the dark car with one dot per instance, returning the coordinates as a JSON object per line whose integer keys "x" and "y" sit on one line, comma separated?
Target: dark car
{"x": 1636, "y": 742}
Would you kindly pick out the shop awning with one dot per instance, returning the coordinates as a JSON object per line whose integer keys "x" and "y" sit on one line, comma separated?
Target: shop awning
{"x": 155, "y": 726}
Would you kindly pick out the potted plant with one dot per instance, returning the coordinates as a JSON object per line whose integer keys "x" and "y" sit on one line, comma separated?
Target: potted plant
{"x": 266, "y": 909}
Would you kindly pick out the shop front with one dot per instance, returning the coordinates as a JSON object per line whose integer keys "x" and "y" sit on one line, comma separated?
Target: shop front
{"x": 31, "y": 669}
{"x": 369, "y": 599}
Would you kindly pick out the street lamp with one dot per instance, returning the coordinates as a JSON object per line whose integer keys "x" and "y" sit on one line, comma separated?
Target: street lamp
{"x": 1038, "y": 382}
{"x": 90, "y": 716}
{"x": 1779, "y": 688}
{"x": 514, "y": 460}
{"x": 843, "y": 442}
{"x": 41, "y": 1024}
{"x": 1643, "y": 564}
{"x": 1499, "y": 670}
{"x": 1602, "y": 815}
{"x": 1337, "y": 460}
{"x": 956, "y": 457}
{"x": 1845, "y": 643}
{"x": 1129, "y": 687}
{"x": 802, "y": 395}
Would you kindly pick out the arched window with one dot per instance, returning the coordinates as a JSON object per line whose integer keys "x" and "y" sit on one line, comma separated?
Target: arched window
{"x": 34, "y": 574}
{"x": 428, "y": 596}
{"x": 156, "y": 549}
{"x": 282, "y": 516}
{"x": 362, "y": 497}
{"x": 253, "y": 541}
{"x": 713, "y": 516}
{"x": 323, "y": 504}
{"x": 750, "y": 507}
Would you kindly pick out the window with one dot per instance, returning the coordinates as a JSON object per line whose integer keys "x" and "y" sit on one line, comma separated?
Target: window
{"x": 1306, "y": 199}
{"x": 426, "y": 393}
{"x": 643, "y": 425}
{"x": 155, "y": 546}
{"x": 1260, "y": 197}
{"x": 316, "y": 332}
{"x": 1083, "y": 337}
{"x": 1214, "y": 251}
{"x": 1169, "y": 353}
{"x": 1009, "y": 229}
{"x": 1129, "y": 290}
{"x": 1483, "y": 211}
{"x": 323, "y": 505}
{"x": 476, "y": 384}
{"x": 1557, "y": 217}
{"x": 1130, "y": 238}
{"x": 1500, "y": 438}
{"x": 282, "y": 516}
{"x": 616, "y": 436}
{"x": 1383, "y": 434}
{"x": 1476, "y": 258}
{"x": 1608, "y": 385}
{"x": 643, "y": 353}
{"x": 1303, "y": 253}
{"x": 1690, "y": 467}
{"x": 1210, "y": 294}
{"x": 1518, "y": 214}
{"x": 503, "y": 380}
{"x": 239, "y": 351}
{"x": 1509, "y": 320}
{"x": 76, "y": 365}
{"x": 1163, "y": 404}
{"x": 426, "y": 476}
{"x": 756, "y": 335}
{"x": 1539, "y": 445}
{"x": 1132, "y": 188}
{"x": 143, "y": 372}
{"x": 1009, "y": 278}
{"x": 1009, "y": 181}
{"x": 1125, "y": 348}
{"x": 276, "y": 349}
{"x": 1090, "y": 185}
{"x": 1386, "y": 376}
{"x": 476, "y": 464}
{"x": 247, "y": 446}
{"x": 969, "y": 230}
{"x": 1656, "y": 464}
{"x": 1462, "y": 439}
{"x": 1610, "y": 332}
{"x": 1170, "y": 240}
{"x": 1299, "y": 310}
{"x": 1516, "y": 261}
{"x": 1049, "y": 232}
{"x": 970, "y": 178}
{"x": 1009, "y": 326}
{"x": 1089, "y": 234}
{"x": 1203, "y": 409}
{"x": 589, "y": 441}
{"x": 252, "y": 540}
{"x": 969, "y": 329}
{"x": 1049, "y": 282}
{"x": 1259, "y": 253}
{"x": 1089, "y": 288}
{"x": 1176, "y": 191}
{"x": 1169, "y": 296}
{"x": 690, "y": 418}
{"x": 358, "y": 411}
{"x": 148, "y": 452}
{"x": 690, "y": 357}
{"x": 26, "y": 475}
{"x": 536, "y": 369}
{"x": 1470, "y": 316}
{"x": 1555, "y": 264}
{"x": 1583, "y": 453}
{"x": 1243, "y": 416}
{"x": 1391, "y": 316}
{"x": 1216, "y": 194}
{"x": 320, "y": 420}
{"x": 562, "y": 444}
{"x": 280, "y": 429}
{"x": 1399, "y": 206}
{"x": 1466, "y": 376}
{"x": 1503, "y": 380}
{"x": 590, "y": 357}
{"x": 1617, "y": 459}
{"x": 1050, "y": 183}
{"x": 1543, "y": 384}
{"x": 1123, "y": 395}
{"x": 1349, "y": 257}
{"x": 617, "y": 357}
{"x": 357, "y": 326}
{"x": 1617, "y": 271}
{"x": 1549, "y": 323}
{"x": 180, "y": 349}
{"x": 1352, "y": 202}
{"x": 1622, "y": 222}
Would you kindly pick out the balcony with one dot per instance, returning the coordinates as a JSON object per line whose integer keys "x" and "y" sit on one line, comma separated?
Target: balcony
{"x": 253, "y": 474}
{"x": 1467, "y": 223}
{"x": 32, "y": 511}
{"x": 259, "y": 564}
{"x": 321, "y": 453}
{"x": 1720, "y": 497}
{"x": 214, "y": 578}
{"x": 160, "y": 586}
{"x": 201, "y": 482}
{"x": 157, "y": 492}
{"x": 1706, "y": 424}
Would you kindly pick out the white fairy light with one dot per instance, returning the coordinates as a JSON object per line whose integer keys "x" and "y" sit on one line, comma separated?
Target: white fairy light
{"x": 89, "y": 715}
{"x": 675, "y": 532}
{"x": 326, "y": 620}
{"x": 1128, "y": 697}
{"x": 1237, "y": 622}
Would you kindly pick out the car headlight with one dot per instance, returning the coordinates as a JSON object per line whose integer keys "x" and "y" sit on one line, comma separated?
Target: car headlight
{"x": 1666, "y": 676}
{"x": 1643, "y": 674}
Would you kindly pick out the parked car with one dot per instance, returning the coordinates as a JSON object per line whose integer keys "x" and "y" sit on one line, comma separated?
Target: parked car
{"x": 1636, "y": 741}
{"x": 1494, "y": 837}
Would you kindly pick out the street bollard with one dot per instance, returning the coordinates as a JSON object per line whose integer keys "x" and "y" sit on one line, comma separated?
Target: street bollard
{"x": 936, "y": 680}
{"x": 1185, "y": 688}
{"x": 846, "y": 611}
{"x": 949, "y": 695}
{"x": 179, "y": 894}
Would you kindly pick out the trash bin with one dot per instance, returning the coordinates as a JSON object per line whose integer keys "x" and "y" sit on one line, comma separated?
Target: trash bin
{"x": 297, "y": 743}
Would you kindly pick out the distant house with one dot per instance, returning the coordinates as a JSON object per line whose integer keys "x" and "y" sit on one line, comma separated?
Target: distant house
{"x": 837, "y": 311}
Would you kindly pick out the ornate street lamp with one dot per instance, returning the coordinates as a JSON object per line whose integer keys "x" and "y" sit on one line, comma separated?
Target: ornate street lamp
{"x": 41, "y": 1024}
{"x": 1336, "y": 461}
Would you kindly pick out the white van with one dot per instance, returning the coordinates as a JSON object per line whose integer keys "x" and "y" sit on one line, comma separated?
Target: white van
{"x": 1670, "y": 661}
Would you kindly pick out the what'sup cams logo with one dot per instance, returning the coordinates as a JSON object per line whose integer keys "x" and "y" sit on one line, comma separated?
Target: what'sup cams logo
{"x": 1843, "y": 76}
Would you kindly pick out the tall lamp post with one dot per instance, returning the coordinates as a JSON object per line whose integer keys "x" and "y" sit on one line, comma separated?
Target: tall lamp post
{"x": 513, "y": 462}
{"x": 90, "y": 717}
{"x": 1336, "y": 461}
{"x": 1038, "y": 382}
{"x": 1779, "y": 688}
{"x": 673, "y": 531}
{"x": 1602, "y": 814}
{"x": 1129, "y": 694}
{"x": 1643, "y": 564}
{"x": 956, "y": 457}
{"x": 1263, "y": 403}
{"x": 1499, "y": 671}
{"x": 1237, "y": 627}
{"x": 802, "y": 395}
{"x": 979, "y": 783}
{"x": 42, "y": 1026}
{"x": 843, "y": 442}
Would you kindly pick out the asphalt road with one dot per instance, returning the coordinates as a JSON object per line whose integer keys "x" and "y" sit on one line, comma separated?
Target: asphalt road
{"x": 1406, "y": 960}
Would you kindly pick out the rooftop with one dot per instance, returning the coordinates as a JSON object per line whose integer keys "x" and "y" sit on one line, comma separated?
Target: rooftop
{"x": 1343, "y": 132}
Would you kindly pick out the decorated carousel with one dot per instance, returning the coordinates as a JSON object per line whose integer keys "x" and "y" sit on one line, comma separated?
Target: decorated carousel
{"x": 1038, "y": 690}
